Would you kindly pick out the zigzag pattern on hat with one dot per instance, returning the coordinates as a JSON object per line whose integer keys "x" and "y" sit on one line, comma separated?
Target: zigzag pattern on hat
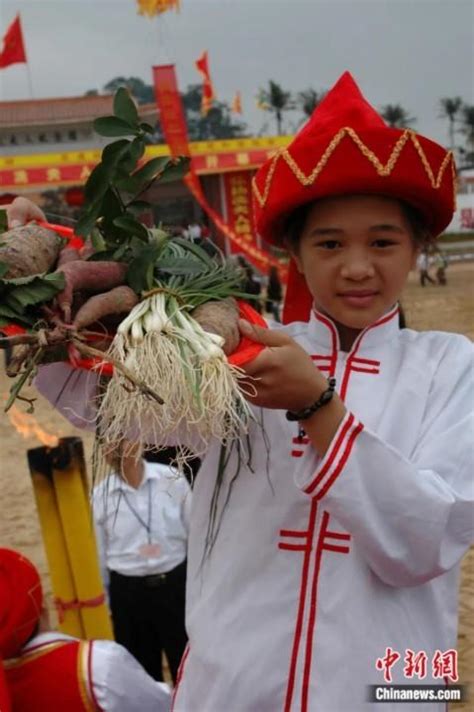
{"x": 382, "y": 169}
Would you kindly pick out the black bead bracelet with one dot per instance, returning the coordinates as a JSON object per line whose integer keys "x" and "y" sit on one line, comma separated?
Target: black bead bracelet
{"x": 310, "y": 410}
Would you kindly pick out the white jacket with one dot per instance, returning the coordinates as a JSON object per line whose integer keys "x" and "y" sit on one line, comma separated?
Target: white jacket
{"x": 319, "y": 566}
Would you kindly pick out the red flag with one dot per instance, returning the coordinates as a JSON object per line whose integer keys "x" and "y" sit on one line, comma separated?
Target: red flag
{"x": 236, "y": 105}
{"x": 207, "y": 89}
{"x": 13, "y": 50}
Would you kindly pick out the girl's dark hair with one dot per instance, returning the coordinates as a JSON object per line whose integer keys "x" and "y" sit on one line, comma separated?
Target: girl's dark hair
{"x": 296, "y": 222}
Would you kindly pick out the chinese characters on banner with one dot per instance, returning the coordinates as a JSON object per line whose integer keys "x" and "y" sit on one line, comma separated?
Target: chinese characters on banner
{"x": 238, "y": 200}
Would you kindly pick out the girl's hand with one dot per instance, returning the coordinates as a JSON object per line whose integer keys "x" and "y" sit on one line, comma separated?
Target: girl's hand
{"x": 287, "y": 378}
{"x": 22, "y": 211}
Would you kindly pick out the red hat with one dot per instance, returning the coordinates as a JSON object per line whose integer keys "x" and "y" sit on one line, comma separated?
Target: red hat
{"x": 346, "y": 148}
{"x": 21, "y": 601}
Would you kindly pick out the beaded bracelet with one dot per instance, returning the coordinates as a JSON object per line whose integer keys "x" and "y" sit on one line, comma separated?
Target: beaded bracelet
{"x": 322, "y": 401}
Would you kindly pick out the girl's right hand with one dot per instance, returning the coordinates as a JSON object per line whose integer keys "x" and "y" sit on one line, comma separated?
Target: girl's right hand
{"x": 22, "y": 211}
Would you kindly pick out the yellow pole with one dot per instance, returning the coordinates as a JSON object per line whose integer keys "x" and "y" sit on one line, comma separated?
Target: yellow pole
{"x": 53, "y": 537}
{"x": 68, "y": 468}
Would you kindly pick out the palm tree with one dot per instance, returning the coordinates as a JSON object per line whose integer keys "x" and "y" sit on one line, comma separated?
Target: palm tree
{"x": 276, "y": 100}
{"x": 396, "y": 116}
{"x": 308, "y": 100}
{"x": 468, "y": 130}
{"x": 450, "y": 107}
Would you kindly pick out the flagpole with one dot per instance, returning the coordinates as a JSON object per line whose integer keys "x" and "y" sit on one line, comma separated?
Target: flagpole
{"x": 28, "y": 71}
{"x": 30, "y": 81}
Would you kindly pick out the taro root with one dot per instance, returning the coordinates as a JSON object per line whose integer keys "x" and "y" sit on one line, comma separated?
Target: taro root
{"x": 220, "y": 318}
{"x": 29, "y": 249}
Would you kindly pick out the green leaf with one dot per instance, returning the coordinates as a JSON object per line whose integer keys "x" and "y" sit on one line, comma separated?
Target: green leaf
{"x": 105, "y": 256}
{"x": 3, "y": 221}
{"x": 111, "y": 207}
{"x": 195, "y": 250}
{"x": 124, "y": 107}
{"x": 113, "y": 152}
{"x": 180, "y": 266}
{"x": 151, "y": 169}
{"x": 3, "y": 269}
{"x": 129, "y": 159}
{"x": 40, "y": 289}
{"x": 88, "y": 220}
{"x": 128, "y": 184}
{"x": 98, "y": 242}
{"x": 119, "y": 253}
{"x": 97, "y": 183}
{"x": 138, "y": 207}
{"x": 8, "y": 313}
{"x": 132, "y": 226}
{"x": 147, "y": 128}
{"x": 175, "y": 171}
{"x": 141, "y": 268}
{"x": 112, "y": 126}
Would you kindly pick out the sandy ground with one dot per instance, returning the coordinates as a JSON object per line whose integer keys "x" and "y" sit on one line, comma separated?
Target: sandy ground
{"x": 447, "y": 308}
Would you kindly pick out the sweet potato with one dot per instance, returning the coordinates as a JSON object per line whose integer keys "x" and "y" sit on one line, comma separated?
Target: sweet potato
{"x": 119, "y": 300}
{"x": 220, "y": 318}
{"x": 68, "y": 254}
{"x": 29, "y": 249}
{"x": 89, "y": 277}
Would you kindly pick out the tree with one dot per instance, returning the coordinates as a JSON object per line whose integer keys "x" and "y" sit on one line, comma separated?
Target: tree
{"x": 276, "y": 101}
{"x": 450, "y": 108}
{"x": 396, "y": 116}
{"x": 467, "y": 128}
{"x": 308, "y": 100}
{"x": 218, "y": 123}
{"x": 143, "y": 93}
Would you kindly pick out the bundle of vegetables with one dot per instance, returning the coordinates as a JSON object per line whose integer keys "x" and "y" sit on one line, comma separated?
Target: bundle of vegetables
{"x": 169, "y": 353}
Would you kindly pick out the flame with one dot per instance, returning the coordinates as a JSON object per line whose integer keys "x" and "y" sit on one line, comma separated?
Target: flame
{"x": 29, "y": 427}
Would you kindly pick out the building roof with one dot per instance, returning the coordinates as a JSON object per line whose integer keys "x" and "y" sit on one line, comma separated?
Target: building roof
{"x": 64, "y": 110}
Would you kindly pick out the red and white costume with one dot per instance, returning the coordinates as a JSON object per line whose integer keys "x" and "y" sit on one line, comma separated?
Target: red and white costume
{"x": 57, "y": 672}
{"x": 319, "y": 566}
{"x": 53, "y": 672}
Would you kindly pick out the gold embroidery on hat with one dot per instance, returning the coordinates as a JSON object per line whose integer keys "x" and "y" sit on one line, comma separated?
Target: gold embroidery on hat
{"x": 382, "y": 170}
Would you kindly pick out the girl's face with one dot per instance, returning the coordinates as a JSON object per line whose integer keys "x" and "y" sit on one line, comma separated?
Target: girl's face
{"x": 356, "y": 252}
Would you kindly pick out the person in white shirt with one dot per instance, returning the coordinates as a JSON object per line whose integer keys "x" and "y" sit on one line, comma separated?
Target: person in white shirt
{"x": 194, "y": 232}
{"x": 141, "y": 517}
{"x": 423, "y": 266}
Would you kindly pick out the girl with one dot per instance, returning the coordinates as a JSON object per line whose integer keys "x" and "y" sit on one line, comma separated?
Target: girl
{"x": 325, "y": 556}
{"x": 336, "y": 562}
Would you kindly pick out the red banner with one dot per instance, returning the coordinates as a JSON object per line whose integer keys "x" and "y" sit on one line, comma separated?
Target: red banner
{"x": 238, "y": 203}
{"x": 170, "y": 107}
{"x": 173, "y": 124}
